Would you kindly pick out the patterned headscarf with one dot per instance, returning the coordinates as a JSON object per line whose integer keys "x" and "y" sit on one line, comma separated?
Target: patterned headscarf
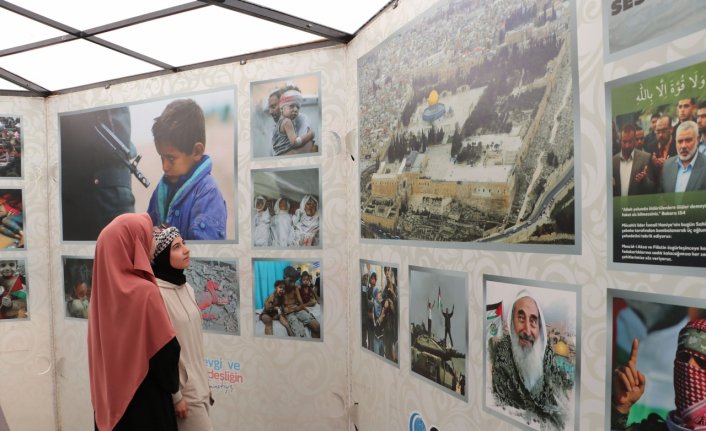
{"x": 163, "y": 239}
{"x": 161, "y": 264}
{"x": 689, "y": 380}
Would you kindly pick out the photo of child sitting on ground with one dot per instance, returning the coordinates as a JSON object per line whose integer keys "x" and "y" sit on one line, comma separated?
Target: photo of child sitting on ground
{"x": 286, "y": 301}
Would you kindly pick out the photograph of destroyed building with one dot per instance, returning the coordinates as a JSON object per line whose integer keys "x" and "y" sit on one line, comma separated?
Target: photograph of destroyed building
{"x": 466, "y": 132}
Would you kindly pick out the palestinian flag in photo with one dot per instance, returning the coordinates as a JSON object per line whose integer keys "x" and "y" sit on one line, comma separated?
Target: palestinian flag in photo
{"x": 494, "y": 319}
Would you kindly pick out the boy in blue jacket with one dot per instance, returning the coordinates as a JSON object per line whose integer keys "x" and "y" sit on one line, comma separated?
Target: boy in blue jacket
{"x": 187, "y": 197}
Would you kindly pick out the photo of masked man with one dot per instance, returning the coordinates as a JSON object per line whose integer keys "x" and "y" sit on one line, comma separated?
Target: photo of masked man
{"x": 689, "y": 378}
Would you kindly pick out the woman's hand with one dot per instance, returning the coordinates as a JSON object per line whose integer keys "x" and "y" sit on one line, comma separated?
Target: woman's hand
{"x": 181, "y": 409}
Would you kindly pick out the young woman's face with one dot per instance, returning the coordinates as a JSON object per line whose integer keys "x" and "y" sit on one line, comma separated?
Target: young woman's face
{"x": 179, "y": 254}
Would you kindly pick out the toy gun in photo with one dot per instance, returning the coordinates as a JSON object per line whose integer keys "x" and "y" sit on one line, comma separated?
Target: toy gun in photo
{"x": 122, "y": 152}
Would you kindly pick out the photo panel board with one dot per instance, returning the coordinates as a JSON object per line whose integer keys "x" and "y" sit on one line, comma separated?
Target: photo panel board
{"x": 11, "y": 148}
{"x": 657, "y": 169}
{"x": 287, "y": 208}
{"x": 174, "y": 158}
{"x": 655, "y": 344}
{"x": 12, "y": 219}
{"x": 380, "y": 309}
{"x": 217, "y": 293}
{"x": 215, "y": 284}
{"x": 14, "y": 290}
{"x": 78, "y": 281}
{"x": 531, "y": 353}
{"x": 468, "y": 130}
{"x": 439, "y": 330}
{"x": 286, "y": 117}
{"x": 632, "y": 26}
{"x": 288, "y": 299}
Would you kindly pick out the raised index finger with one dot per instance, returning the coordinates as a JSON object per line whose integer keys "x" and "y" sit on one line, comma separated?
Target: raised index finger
{"x": 633, "y": 352}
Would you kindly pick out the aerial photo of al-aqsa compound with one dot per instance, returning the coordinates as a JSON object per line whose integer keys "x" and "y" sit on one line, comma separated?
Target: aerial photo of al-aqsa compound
{"x": 466, "y": 126}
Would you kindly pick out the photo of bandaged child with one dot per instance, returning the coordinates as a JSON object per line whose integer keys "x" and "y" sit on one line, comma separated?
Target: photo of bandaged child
{"x": 286, "y": 116}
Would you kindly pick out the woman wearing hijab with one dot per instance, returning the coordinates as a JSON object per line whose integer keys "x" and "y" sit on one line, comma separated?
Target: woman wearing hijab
{"x": 171, "y": 258}
{"x": 282, "y": 228}
{"x": 306, "y": 222}
{"x": 133, "y": 353}
{"x": 262, "y": 237}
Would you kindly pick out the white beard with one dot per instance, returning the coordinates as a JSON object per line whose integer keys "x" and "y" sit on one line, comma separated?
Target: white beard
{"x": 529, "y": 363}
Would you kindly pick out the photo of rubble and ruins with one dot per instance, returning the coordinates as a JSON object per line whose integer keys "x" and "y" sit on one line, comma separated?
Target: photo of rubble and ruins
{"x": 217, "y": 294}
{"x": 466, "y": 126}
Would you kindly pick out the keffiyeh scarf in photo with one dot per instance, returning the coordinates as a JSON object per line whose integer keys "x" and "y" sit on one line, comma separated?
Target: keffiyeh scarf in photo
{"x": 690, "y": 381}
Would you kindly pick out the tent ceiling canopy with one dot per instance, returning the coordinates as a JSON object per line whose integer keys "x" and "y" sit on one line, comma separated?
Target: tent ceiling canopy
{"x": 54, "y": 47}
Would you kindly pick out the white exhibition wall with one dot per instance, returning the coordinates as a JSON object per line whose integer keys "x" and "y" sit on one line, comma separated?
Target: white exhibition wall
{"x": 292, "y": 384}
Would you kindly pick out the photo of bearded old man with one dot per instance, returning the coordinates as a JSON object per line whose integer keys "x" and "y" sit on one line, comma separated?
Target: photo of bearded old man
{"x": 531, "y": 356}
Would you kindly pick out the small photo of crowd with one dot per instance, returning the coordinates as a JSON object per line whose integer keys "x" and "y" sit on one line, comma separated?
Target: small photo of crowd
{"x": 11, "y": 219}
{"x": 657, "y": 165}
{"x": 657, "y": 365}
{"x": 658, "y": 130}
{"x": 217, "y": 291}
{"x": 78, "y": 276}
{"x": 438, "y": 315}
{"x": 379, "y": 309}
{"x": 286, "y": 208}
{"x": 655, "y": 144}
{"x": 288, "y": 297}
{"x": 14, "y": 294}
{"x": 10, "y": 147}
{"x": 531, "y": 354}
{"x": 286, "y": 116}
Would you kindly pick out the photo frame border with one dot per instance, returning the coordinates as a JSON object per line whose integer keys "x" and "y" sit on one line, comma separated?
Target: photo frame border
{"x": 174, "y": 96}
{"x": 234, "y": 261}
{"x": 611, "y": 295}
{"x": 320, "y": 206}
{"x": 609, "y": 87}
{"x": 22, "y": 147}
{"x": 370, "y": 352}
{"x": 566, "y": 249}
{"x": 566, "y": 287}
{"x": 466, "y": 278}
{"x": 255, "y": 317}
{"x": 25, "y": 226}
{"x": 29, "y": 290}
{"x": 64, "y": 257}
{"x": 253, "y": 104}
